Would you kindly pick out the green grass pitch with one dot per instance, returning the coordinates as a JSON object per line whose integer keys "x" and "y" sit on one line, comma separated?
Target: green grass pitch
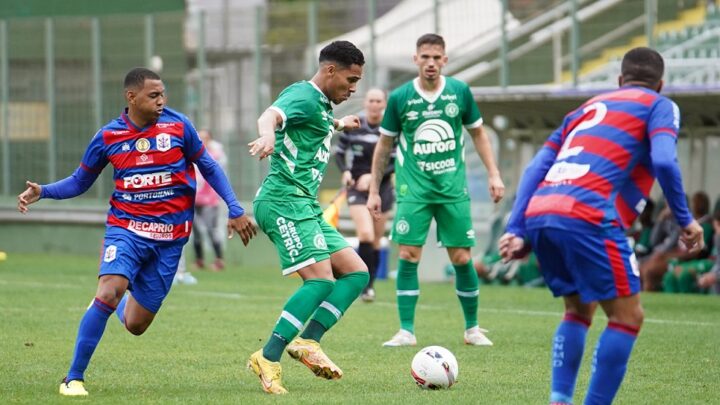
{"x": 195, "y": 352}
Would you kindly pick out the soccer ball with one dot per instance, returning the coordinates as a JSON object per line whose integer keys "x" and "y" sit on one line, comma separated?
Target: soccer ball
{"x": 434, "y": 367}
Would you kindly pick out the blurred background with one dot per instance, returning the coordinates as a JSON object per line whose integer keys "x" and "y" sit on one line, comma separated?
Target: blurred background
{"x": 223, "y": 62}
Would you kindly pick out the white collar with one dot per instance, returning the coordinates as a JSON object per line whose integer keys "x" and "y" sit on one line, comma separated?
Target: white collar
{"x": 430, "y": 98}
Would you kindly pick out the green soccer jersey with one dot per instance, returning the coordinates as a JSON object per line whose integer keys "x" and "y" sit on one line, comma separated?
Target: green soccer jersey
{"x": 430, "y": 162}
{"x": 302, "y": 144}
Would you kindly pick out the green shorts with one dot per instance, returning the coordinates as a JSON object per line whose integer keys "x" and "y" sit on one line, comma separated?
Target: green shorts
{"x": 298, "y": 231}
{"x": 454, "y": 224}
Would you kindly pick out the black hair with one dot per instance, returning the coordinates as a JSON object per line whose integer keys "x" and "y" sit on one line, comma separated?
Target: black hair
{"x": 343, "y": 53}
{"x": 643, "y": 65}
{"x": 430, "y": 39}
{"x": 137, "y": 76}
{"x": 700, "y": 204}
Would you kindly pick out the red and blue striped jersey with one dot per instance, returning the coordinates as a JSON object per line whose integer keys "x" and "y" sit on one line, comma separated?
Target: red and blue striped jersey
{"x": 153, "y": 174}
{"x": 597, "y": 168}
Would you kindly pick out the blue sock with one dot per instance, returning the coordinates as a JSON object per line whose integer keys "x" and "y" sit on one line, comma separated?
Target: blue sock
{"x": 120, "y": 310}
{"x": 610, "y": 362}
{"x": 567, "y": 352}
{"x": 90, "y": 331}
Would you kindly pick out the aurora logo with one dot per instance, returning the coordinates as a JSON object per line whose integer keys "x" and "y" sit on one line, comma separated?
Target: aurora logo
{"x": 434, "y": 136}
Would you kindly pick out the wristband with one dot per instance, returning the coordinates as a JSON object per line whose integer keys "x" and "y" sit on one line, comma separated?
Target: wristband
{"x": 340, "y": 125}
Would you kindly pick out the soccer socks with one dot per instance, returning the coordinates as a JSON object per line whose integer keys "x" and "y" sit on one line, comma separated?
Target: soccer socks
{"x": 610, "y": 362}
{"x": 90, "y": 331}
{"x": 296, "y": 312}
{"x": 567, "y": 351}
{"x": 466, "y": 288}
{"x": 120, "y": 310}
{"x": 408, "y": 291}
{"x": 367, "y": 253}
{"x": 347, "y": 288}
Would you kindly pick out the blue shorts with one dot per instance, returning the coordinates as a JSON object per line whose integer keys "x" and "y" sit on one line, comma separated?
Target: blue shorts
{"x": 597, "y": 266}
{"x": 149, "y": 266}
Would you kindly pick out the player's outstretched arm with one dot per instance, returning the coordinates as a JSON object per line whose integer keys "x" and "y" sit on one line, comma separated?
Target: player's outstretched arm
{"x": 381, "y": 156}
{"x": 29, "y": 196}
{"x": 264, "y": 146}
{"x": 482, "y": 145}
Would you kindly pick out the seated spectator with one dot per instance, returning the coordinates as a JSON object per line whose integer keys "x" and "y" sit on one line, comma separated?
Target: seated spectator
{"x": 684, "y": 269}
{"x": 490, "y": 268}
{"x": 698, "y": 275}
{"x": 664, "y": 239}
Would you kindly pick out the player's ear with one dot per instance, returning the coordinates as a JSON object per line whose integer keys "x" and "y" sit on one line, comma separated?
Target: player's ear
{"x": 620, "y": 81}
{"x": 660, "y": 85}
{"x": 130, "y": 96}
{"x": 331, "y": 69}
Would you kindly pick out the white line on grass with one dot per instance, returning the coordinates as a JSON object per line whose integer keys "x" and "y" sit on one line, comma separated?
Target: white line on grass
{"x": 384, "y": 304}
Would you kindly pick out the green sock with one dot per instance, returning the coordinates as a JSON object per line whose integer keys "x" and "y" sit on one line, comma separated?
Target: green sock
{"x": 347, "y": 288}
{"x": 296, "y": 312}
{"x": 408, "y": 292}
{"x": 466, "y": 287}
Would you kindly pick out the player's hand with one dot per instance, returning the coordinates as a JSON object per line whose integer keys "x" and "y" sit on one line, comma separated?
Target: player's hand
{"x": 244, "y": 226}
{"x": 351, "y": 122}
{"x": 347, "y": 179}
{"x": 512, "y": 247}
{"x": 692, "y": 237}
{"x": 363, "y": 183}
{"x": 263, "y": 146}
{"x": 373, "y": 205}
{"x": 29, "y": 196}
{"x": 497, "y": 187}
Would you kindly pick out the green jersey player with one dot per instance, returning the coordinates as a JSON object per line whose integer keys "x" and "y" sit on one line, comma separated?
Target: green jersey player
{"x": 296, "y": 131}
{"x": 427, "y": 115}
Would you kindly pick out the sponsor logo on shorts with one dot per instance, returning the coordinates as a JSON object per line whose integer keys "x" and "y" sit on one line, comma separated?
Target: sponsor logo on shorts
{"x": 163, "y": 142}
{"x": 152, "y": 230}
{"x": 142, "y": 145}
{"x": 319, "y": 241}
{"x": 290, "y": 237}
{"x": 110, "y": 253}
{"x": 470, "y": 234}
{"x": 452, "y": 110}
{"x": 402, "y": 227}
{"x": 138, "y": 180}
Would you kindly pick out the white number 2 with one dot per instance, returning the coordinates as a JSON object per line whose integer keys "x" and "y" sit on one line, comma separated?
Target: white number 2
{"x": 561, "y": 170}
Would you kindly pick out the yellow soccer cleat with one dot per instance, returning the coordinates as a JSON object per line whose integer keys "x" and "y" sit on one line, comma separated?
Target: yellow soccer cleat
{"x": 269, "y": 372}
{"x": 309, "y": 353}
{"x": 74, "y": 388}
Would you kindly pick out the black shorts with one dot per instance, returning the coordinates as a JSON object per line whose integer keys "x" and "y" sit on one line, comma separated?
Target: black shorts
{"x": 387, "y": 194}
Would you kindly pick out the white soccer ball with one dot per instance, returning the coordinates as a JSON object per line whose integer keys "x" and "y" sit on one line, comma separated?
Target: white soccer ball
{"x": 434, "y": 367}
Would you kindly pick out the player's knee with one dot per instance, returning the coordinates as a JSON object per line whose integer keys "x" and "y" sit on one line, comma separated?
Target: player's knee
{"x": 109, "y": 296}
{"x": 136, "y": 328}
{"x": 409, "y": 255}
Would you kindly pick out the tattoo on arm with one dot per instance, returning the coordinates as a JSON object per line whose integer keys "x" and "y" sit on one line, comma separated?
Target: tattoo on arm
{"x": 380, "y": 161}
